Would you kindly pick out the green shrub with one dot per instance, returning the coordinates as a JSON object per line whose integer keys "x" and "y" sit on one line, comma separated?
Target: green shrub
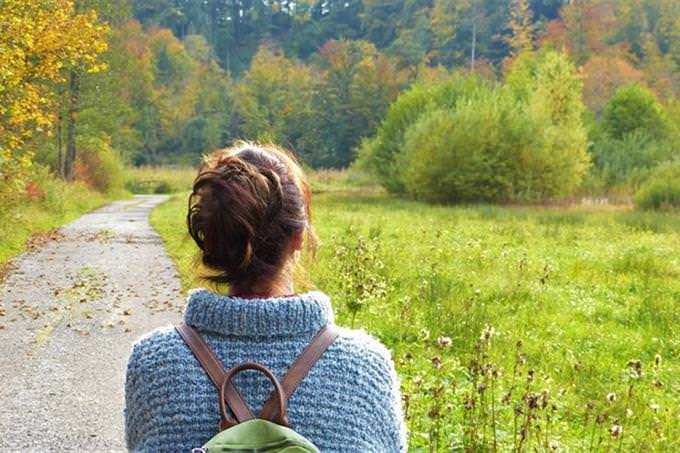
{"x": 628, "y": 160}
{"x": 662, "y": 188}
{"x": 465, "y": 140}
{"x": 462, "y": 155}
{"x": 99, "y": 166}
{"x": 634, "y": 109}
{"x": 633, "y": 137}
{"x": 380, "y": 154}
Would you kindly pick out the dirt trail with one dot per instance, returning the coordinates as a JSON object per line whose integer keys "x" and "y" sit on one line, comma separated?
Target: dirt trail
{"x": 69, "y": 312}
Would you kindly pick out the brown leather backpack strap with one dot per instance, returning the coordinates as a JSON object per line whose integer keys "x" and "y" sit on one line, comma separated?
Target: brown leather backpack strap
{"x": 299, "y": 369}
{"x": 215, "y": 371}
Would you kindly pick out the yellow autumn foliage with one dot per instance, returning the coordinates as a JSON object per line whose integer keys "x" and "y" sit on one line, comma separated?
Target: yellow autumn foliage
{"x": 39, "y": 41}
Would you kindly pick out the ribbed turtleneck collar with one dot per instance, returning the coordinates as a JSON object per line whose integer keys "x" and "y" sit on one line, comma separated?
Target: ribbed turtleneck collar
{"x": 232, "y": 315}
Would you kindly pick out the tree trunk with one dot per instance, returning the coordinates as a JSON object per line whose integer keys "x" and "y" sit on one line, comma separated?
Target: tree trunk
{"x": 473, "y": 52}
{"x": 60, "y": 160}
{"x": 74, "y": 91}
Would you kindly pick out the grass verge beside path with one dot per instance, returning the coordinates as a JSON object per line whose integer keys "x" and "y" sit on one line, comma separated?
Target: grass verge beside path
{"x": 59, "y": 205}
{"x": 169, "y": 220}
{"x": 513, "y": 328}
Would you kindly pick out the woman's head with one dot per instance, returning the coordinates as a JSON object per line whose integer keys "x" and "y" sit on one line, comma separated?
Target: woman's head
{"x": 248, "y": 213}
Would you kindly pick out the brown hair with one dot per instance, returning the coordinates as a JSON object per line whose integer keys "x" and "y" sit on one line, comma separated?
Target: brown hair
{"x": 247, "y": 204}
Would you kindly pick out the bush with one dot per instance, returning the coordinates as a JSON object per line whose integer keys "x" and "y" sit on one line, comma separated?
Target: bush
{"x": 99, "y": 166}
{"x": 465, "y": 140}
{"x": 662, "y": 188}
{"x": 464, "y": 154}
{"x": 633, "y": 109}
{"x": 633, "y": 137}
{"x": 380, "y": 154}
{"x": 627, "y": 160}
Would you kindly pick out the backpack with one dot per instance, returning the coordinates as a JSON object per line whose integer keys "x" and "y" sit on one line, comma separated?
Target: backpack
{"x": 240, "y": 430}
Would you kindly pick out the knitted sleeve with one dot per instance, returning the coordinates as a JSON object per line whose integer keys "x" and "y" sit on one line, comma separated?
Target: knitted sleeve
{"x": 394, "y": 439}
{"x": 133, "y": 412}
{"x": 396, "y": 410}
{"x": 137, "y": 411}
{"x": 145, "y": 396}
{"x": 379, "y": 386}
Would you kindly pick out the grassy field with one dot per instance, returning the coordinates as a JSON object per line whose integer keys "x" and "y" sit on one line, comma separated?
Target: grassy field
{"x": 513, "y": 329}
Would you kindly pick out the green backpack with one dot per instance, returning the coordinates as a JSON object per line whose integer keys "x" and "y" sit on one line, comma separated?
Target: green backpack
{"x": 240, "y": 430}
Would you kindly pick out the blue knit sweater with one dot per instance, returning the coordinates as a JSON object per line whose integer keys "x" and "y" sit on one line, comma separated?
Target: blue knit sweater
{"x": 349, "y": 402}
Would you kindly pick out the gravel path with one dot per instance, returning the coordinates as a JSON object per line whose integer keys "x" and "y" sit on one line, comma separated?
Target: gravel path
{"x": 70, "y": 309}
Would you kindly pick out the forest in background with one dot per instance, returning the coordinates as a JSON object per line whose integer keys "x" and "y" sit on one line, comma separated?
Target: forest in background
{"x": 157, "y": 82}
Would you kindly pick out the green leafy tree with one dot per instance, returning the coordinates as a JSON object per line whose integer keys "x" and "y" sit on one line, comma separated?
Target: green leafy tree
{"x": 634, "y": 109}
{"x": 356, "y": 86}
{"x": 559, "y": 159}
{"x": 274, "y": 100}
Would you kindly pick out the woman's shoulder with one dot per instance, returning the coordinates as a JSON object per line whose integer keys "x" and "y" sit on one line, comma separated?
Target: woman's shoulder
{"x": 158, "y": 338}
{"x": 156, "y": 346}
{"x": 360, "y": 349}
{"x": 362, "y": 342}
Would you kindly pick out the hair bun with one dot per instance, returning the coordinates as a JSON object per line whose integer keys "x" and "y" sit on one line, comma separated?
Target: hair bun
{"x": 244, "y": 209}
{"x": 275, "y": 193}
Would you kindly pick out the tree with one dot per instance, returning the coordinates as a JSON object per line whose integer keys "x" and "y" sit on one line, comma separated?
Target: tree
{"x": 443, "y": 21}
{"x": 558, "y": 159}
{"x": 274, "y": 100}
{"x": 521, "y": 27}
{"x": 588, "y": 24}
{"x": 108, "y": 12}
{"x": 603, "y": 76}
{"x": 41, "y": 40}
{"x": 356, "y": 85}
{"x": 633, "y": 109}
